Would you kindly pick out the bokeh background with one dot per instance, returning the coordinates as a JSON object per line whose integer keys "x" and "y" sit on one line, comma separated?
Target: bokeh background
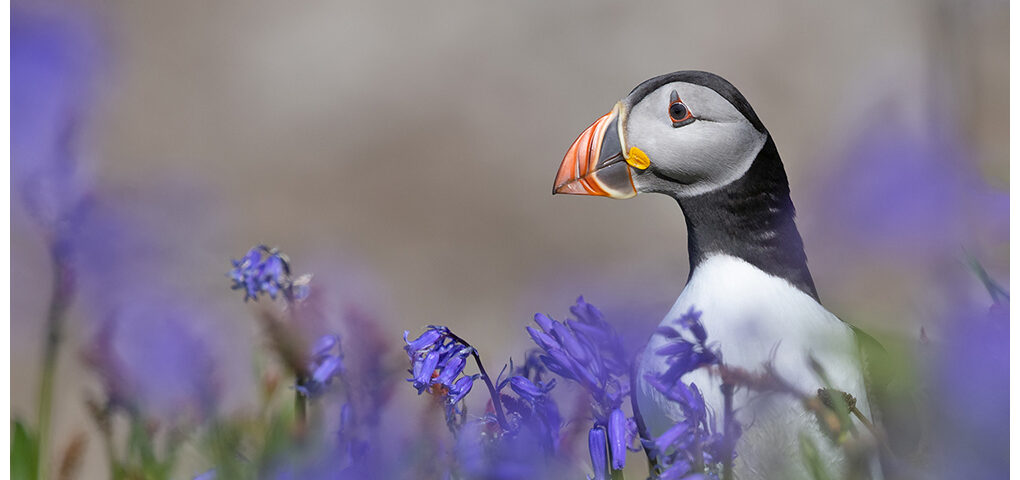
{"x": 403, "y": 153}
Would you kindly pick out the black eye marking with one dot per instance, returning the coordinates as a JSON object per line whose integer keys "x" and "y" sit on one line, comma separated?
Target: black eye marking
{"x": 679, "y": 114}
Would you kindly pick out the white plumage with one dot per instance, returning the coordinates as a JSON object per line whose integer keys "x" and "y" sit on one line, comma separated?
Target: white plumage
{"x": 754, "y": 316}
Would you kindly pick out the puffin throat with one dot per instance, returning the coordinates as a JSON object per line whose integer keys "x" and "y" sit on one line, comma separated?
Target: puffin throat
{"x": 751, "y": 218}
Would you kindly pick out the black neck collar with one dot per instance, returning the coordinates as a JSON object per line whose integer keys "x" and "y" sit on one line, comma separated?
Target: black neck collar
{"x": 751, "y": 219}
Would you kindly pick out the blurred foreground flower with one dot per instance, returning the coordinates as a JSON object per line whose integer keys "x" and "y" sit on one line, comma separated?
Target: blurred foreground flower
{"x": 969, "y": 375}
{"x": 54, "y": 61}
{"x": 324, "y": 365}
{"x": 55, "y": 58}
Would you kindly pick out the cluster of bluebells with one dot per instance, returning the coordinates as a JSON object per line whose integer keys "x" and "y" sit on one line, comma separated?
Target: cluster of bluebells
{"x": 437, "y": 360}
{"x": 586, "y": 349}
{"x": 518, "y": 436}
{"x": 525, "y": 443}
{"x": 533, "y": 407}
{"x": 265, "y": 270}
{"x": 692, "y": 444}
{"x": 326, "y": 363}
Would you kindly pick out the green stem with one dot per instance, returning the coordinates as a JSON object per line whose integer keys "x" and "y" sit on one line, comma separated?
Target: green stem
{"x": 616, "y": 474}
{"x": 301, "y": 409}
{"x": 60, "y": 298}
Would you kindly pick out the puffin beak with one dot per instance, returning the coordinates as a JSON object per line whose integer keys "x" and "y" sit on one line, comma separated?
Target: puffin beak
{"x": 595, "y": 163}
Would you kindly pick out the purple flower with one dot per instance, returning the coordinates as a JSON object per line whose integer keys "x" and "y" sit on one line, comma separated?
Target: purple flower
{"x": 266, "y": 270}
{"x": 324, "y": 365}
{"x": 534, "y": 408}
{"x": 461, "y": 388}
{"x": 55, "y": 59}
{"x": 504, "y": 457}
{"x": 597, "y": 450}
{"x": 618, "y": 441}
{"x": 324, "y": 345}
{"x": 969, "y": 381}
{"x": 438, "y": 360}
{"x": 692, "y": 441}
{"x": 588, "y": 350}
{"x": 528, "y": 390}
{"x": 927, "y": 201}
{"x": 684, "y": 355}
{"x": 151, "y": 359}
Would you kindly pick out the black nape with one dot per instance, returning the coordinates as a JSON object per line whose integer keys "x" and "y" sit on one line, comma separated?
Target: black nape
{"x": 751, "y": 218}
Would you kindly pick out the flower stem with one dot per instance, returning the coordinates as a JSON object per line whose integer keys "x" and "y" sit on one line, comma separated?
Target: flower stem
{"x": 727, "y": 454}
{"x": 643, "y": 434}
{"x": 60, "y": 298}
{"x": 300, "y": 410}
{"x": 496, "y": 404}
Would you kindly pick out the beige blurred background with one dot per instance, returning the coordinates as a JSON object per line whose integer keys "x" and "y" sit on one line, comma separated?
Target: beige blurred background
{"x": 409, "y": 147}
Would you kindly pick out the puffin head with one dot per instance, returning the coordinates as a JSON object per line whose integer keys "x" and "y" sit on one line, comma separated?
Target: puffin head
{"x": 681, "y": 134}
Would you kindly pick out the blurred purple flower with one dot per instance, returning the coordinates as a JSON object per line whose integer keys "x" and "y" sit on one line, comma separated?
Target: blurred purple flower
{"x": 150, "y": 360}
{"x": 54, "y": 62}
{"x": 369, "y": 372}
{"x": 324, "y": 365}
{"x": 902, "y": 192}
{"x": 521, "y": 455}
{"x": 266, "y": 270}
{"x": 970, "y": 395}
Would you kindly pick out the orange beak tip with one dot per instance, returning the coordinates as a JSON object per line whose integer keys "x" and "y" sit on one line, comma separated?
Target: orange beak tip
{"x": 580, "y": 172}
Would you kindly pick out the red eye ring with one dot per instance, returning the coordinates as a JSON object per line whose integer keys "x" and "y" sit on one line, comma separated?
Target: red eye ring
{"x": 678, "y": 112}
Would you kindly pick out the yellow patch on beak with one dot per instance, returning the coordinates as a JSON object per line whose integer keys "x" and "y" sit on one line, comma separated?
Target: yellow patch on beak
{"x": 637, "y": 159}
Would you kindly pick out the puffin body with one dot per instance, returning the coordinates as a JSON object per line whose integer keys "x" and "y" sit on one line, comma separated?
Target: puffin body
{"x": 691, "y": 135}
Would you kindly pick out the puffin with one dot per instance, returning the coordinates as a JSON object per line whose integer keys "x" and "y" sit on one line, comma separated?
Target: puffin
{"x": 693, "y": 136}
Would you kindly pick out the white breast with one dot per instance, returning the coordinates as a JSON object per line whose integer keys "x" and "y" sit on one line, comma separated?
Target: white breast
{"x": 754, "y": 316}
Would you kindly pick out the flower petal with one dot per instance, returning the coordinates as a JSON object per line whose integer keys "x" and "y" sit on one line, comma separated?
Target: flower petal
{"x": 618, "y": 438}
{"x": 597, "y": 450}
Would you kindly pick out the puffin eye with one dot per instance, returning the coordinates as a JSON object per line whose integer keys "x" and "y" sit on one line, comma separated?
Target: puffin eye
{"x": 679, "y": 114}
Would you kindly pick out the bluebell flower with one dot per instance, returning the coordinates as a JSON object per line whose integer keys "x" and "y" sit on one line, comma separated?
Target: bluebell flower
{"x": 588, "y": 350}
{"x": 266, "y": 270}
{"x": 437, "y": 360}
{"x": 534, "y": 408}
{"x": 618, "y": 441}
{"x": 597, "y": 451}
{"x": 692, "y": 441}
{"x": 529, "y": 390}
{"x": 324, "y": 365}
{"x": 461, "y": 388}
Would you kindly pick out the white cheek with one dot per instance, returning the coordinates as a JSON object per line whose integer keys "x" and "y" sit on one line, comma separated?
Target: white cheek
{"x": 703, "y": 155}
